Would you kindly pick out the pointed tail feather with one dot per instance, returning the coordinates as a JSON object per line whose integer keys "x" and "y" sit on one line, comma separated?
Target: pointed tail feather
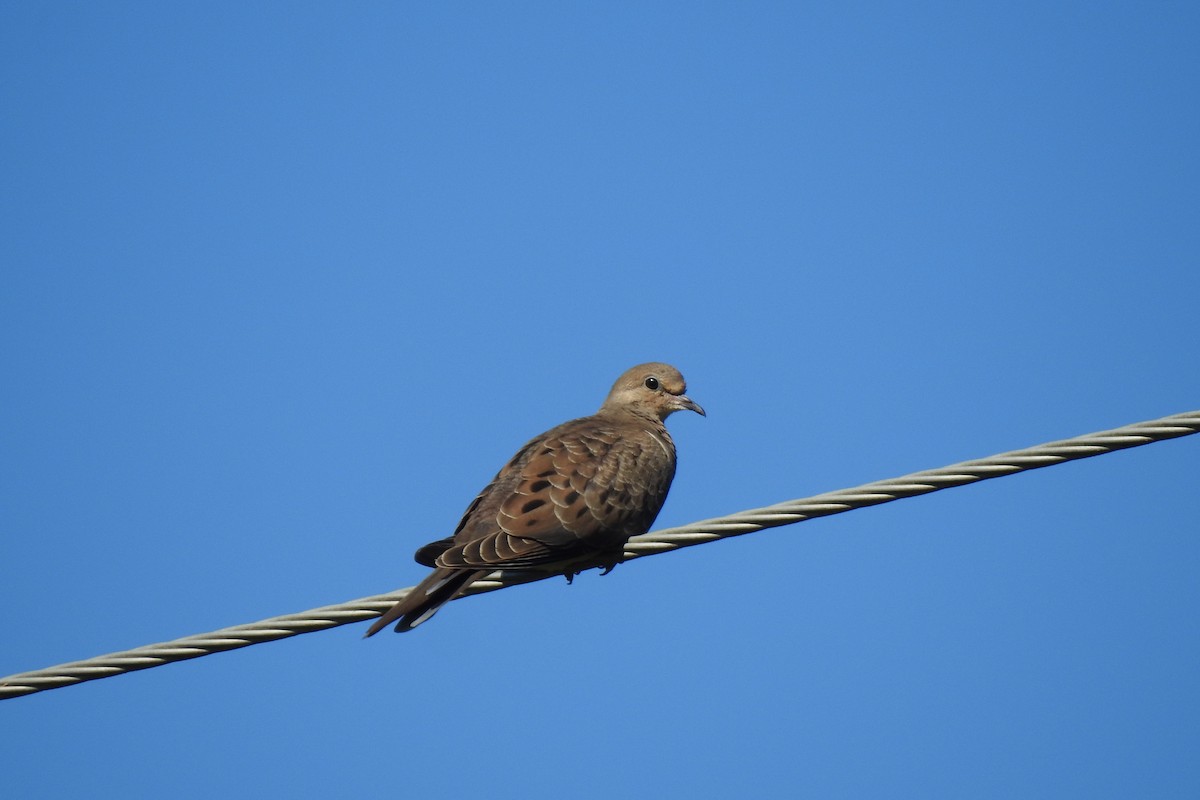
{"x": 439, "y": 587}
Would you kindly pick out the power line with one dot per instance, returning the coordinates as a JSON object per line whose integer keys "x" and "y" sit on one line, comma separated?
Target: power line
{"x": 653, "y": 543}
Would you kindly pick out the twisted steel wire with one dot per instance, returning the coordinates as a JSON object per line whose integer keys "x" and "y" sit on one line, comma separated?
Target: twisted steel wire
{"x": 652, "y": 543}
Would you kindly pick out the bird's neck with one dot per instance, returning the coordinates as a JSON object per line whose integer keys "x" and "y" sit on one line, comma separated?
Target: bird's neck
{"x": 648, "y": 419}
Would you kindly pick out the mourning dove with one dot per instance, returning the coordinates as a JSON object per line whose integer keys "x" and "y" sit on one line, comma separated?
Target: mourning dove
{"x": 568, "y": 500}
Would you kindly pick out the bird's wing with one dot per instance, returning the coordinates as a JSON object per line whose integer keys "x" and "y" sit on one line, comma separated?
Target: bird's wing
{"x": 584, "y": 487}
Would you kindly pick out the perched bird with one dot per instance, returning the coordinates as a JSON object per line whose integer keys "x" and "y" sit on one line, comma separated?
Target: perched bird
{"x": 568, "y": 500}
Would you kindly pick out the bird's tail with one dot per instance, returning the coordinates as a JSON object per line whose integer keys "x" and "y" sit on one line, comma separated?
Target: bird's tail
{"x": 440, "y": 587}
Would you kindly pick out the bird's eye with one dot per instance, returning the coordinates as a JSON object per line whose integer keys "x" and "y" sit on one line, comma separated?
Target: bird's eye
{"x": 652, "y": 383}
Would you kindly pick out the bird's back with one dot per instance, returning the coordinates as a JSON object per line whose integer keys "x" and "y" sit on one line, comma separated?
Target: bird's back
{"x": 584, "y": 486}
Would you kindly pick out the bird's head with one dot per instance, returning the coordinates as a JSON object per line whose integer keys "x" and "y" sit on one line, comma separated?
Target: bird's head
{"x": 654, "y": 388}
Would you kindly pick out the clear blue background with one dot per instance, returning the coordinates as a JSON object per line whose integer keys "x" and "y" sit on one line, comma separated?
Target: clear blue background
{"x": 284, "y": 284}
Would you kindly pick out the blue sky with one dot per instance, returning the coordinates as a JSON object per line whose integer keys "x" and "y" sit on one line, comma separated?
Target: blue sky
{"x": 285, "y": 283}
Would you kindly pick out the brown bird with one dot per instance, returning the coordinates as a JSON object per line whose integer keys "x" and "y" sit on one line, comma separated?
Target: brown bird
{"x": 568, "y": 500}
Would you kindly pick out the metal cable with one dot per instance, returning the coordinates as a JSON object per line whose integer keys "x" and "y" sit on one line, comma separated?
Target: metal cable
{"x": 661, "y": 541}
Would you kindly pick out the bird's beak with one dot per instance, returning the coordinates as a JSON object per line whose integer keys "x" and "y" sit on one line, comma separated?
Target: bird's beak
{"x": 683, "y": 402}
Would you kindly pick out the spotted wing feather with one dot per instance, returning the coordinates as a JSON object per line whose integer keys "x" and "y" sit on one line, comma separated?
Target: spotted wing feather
{"x": 583, "y": 488}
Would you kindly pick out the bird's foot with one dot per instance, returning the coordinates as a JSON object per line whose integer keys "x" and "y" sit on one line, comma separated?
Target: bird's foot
{"x": 609, "y": 564}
